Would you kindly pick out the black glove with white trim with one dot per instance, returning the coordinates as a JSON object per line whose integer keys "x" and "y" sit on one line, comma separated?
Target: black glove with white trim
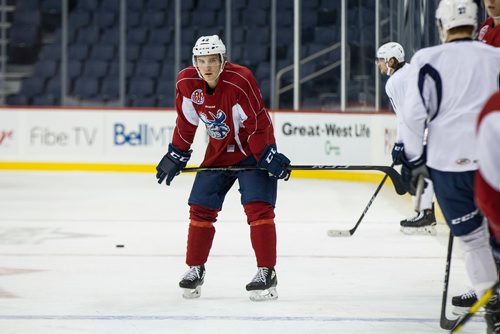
{"x": 275, "y": 163}
{"x": 171, "y": 164}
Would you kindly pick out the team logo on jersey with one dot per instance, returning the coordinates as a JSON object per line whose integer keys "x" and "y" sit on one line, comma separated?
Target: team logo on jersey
{"x": 216, "y": 127}
{"x": 197, "y": 96}
{"x": 482, "y": 32}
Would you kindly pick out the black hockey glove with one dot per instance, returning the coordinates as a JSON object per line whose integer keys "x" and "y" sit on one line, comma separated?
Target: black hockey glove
{"x": 275, "y": 163}
{"x": 397, "y": 151}
{"x": 411, "y": 171}
{"x": 171, "y": 164}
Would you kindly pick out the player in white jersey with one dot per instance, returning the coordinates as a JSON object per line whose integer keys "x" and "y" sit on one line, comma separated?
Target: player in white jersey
{"x": 391, "y": 62}
{"x": 448, "y": 86}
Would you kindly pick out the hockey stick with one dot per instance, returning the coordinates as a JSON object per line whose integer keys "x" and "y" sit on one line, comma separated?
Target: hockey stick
{"x": 349, "y": 233}
{"x": 474, "y": 308}
{"x": 388, "y": 170}
{"x": 444, "y": 322}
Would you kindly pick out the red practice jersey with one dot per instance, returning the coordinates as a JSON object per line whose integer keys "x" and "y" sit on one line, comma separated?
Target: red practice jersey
{"x": 234, "y": 115}
{"x": 489, "y": 33}
{"x": 487, "y": 183}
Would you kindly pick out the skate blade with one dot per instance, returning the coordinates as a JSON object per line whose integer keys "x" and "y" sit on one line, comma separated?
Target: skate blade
{"x": 192, "y": 293}
{"x": 263, "y": 295}
{"x": 460, "y": 311}
{"x": 425, "y": 230}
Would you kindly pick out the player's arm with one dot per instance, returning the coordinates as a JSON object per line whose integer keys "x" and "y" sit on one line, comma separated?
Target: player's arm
{"x": 259, "y": 128}
{"x": 179, "y": 152}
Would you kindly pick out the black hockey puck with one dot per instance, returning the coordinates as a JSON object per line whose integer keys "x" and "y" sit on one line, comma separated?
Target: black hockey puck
{"x": 120, "y": 246}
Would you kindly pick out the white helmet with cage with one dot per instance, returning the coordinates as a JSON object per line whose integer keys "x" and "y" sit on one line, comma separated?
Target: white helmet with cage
{"x": 209, "y": 45}
{"x": 455, "y": 13}
{"x": 391, "y": 50}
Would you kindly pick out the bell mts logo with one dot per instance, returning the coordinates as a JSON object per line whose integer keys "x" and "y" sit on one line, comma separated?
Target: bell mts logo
{"x": 197, "y": 96}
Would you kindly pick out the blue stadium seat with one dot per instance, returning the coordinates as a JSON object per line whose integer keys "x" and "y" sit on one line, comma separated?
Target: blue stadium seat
{"x": 165, "y": 87}
{"x": 111, "y": 5}
{"x": 110, "y": 36}
{"x": 29, "y": 5}
{"x": 79, "y": 19}
{"x": 133, "y": 18}
{"x": 114, "y": 69}
{"x": 132, "y": 52}
{"x": 258, "y": 4}
{"x": 74, "y": 68}
{"x": 149, "y": 69}
{"x": 165, "y": 100}
{"x": 211, "y": 5}
{"x": 105, "y": 19}
{"x": 27, "y": 17}
{"x": 45, "y": 68}
{"x": 89, "y": 35}
{"x": 135, "y": 5}
{"x": 161, "y": 5}
{"x": 262, "y": 71}
{"x": 256, "y": 17}
{"x": 328, "y": 17}
{"x": 78, "y": 51}
{"x": 153, "y": 19}
{"x": 153, "y": 52}
{"x": 103, "y": 52}
{"x": 90, "y": 5}
{"x": 242, "y": 4}
{"x": 110, "y": 88}
{"x": 32, "y": 86}
{"x": 258, "y": 36}
{"x": 310, "y": 5}
{"x": 141, "y": 87}
{"x": 53, "y": 86}
{"x": 284, "y": 5}
{"x": 95, "y": 68}
{"x": 285, "y": 18}
{"x": 85, "y": 88}
{"x": 160, "y": 36}
{"x": 137, "y": 35}
{"x": 51, "y": 52}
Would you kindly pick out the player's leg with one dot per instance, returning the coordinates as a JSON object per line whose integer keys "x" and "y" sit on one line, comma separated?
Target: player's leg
{"x": 207, "y": 195}
{"x": 424, "y": 222}
{"x": 258, "y": 196}
{"x": 455, "y": 194}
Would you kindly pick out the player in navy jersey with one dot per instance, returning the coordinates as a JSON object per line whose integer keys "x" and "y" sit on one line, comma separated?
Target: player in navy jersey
{"x": 227, "y": 100}
{"x": 489, "y": 32}
{"x": 446, "y": 103}
{"x": 391, "y": 62}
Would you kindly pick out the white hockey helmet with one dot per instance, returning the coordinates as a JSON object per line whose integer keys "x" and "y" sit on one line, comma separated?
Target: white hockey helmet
{"x": 209, "y": 45}
{"x": 391, "y": 50}
{"x": 455, "y": 13}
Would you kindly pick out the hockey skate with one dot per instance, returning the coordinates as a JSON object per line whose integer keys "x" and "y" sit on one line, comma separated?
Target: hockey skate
{"x": 263, "y": 285}
{"x": 492, "y": 315}
{"x": 423, "y": 223}
{"x": 192, "y": 281}
{"x": 463, "y": 302}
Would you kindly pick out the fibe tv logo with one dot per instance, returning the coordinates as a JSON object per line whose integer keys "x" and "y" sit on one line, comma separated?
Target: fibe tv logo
{"x": 143, "y": 136}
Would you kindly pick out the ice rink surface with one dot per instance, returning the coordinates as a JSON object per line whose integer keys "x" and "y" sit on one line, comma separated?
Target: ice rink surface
{"x": 61, "y": 272}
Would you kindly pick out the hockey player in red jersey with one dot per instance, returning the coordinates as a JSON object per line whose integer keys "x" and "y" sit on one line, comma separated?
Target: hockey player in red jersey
{"x": 489, "y": 32}
{"x": 227, "y": 99}
{"x": 487, "y": 181}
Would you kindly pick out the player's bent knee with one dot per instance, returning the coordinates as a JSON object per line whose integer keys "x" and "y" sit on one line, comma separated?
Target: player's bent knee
{"x": 259, "y": 212}
{"x": 198, "y": 213}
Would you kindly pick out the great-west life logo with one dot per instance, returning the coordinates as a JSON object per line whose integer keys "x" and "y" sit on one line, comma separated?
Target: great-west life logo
{"x": 142, "y": 135}
{"x": 5, "y": 137}
{"x": 357, "y": 130}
